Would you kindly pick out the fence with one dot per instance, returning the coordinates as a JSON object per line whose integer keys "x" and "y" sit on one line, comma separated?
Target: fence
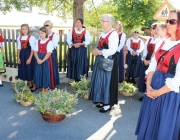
{"x": 10, "y": 48}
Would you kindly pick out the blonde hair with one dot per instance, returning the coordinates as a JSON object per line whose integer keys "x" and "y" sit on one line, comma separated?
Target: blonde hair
{"x": 48, "y": 22}
{"x": 43, "y": 29}
{"x": 118, "y": 22}
{"x": 24, "y": 25}
{"x": 162, "y": 25}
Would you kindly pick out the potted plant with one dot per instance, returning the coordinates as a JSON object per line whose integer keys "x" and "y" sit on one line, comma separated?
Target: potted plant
{"x": 55, "y": 104}
{"x": 26, "y": 97}
{"x": 127, "y": 89}
{"x": 81, "y": 87}
{"x": 19, "y": 86}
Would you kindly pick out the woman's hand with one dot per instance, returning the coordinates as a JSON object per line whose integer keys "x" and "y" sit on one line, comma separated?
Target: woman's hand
{"x": 19, "y": 61}
{"x": 28, "y": 61}
{"x": 96, "y": 52}
{"x": 39, "y": 61}
{"x": 146, "y": 62}
{"x": 152, "y": 93}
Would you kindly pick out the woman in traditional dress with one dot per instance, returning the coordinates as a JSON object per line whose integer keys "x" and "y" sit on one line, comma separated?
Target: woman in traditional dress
{"x": 135, "y": 46}
{"x": 78, "y": 39}
{"x": 2, "y": 67}
{"x": 160, "y": 113}
{"x": 26, "y": 44}
{"x": 147, "y": 53}
{"x": 120, "y": 52}
{"x": 54, "y": 38}
{"x": 104, "y": 82}
{"x": 43, "y": 76}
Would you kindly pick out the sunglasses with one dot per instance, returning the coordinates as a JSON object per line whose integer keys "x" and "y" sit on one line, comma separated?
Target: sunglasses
{"x": 46, "y": 25}
{"x": 136, "y": 32}
{"x": 171, "y": 21}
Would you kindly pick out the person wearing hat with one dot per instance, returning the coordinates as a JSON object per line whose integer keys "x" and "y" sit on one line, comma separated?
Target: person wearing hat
{"x": 78, "y": 39}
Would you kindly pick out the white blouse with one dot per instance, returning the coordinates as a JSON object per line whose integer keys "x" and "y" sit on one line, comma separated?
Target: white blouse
{"x": 153, "y": 41}
{"x": 87, "y": 37}
{"x": 172, "y": 83}
{"x": 55, "y": 39}
{"x": 32, "y": 41}
{"x": 113, "y": 43}
{"x": 122, "y": 42}
{"x": 128, "y": 44}
{"x": 49, "y": 47}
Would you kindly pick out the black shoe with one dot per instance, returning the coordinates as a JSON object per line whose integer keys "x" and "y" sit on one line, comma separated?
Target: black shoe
{"x": 32, "y": 90}
{"x": 133, "y": 81}
{"x": 102, "y": 110}
{"x": 140, "y": 99}
{"x": 99, "y": 105}
{"x": 128, "y": 80}
{"x": 1, "y": 85}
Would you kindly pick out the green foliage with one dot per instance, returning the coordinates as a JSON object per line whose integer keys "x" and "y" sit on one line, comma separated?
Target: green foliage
{"x": 93, "y": 13}
{"x": 134, "y": 13}
{"x": 26, "y": 96}
{"x": 128, "y": 88}
{"x": 81, "y": 87}
{"x": 58, "y": 101}
{"x": 19, "y": 86}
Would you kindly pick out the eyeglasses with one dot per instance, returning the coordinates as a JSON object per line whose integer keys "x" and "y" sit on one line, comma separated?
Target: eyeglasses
{"x": 171, "y": 21}
{"x": 102, "y": 21}
{"x": 136, "y": 32}
{"x": 46, "y": 25}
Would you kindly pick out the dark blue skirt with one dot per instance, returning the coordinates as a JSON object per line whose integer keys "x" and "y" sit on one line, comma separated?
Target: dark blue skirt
{"x": 55, "y": 67}
{"x": 133, "y": 65}
{"x": 159, "y": 118}
{"x": 141, "y": 81}
{"x": 26, "y": 72}
{"x": 42, "y": 73}
{"x": 120, "y": 56}
{"x": 77, "y": 63}
{"x": 104, "y": 85}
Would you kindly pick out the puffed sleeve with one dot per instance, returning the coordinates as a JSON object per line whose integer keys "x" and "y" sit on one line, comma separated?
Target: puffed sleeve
{"x": 50, "y": 47}
{"x": 55, "y": 40}
{"x": 69, "y": 38}
{"x": 87, "y": 38}
{"x": 152, "y": 65}
{"x": 174, "y": 83}
{"x": 145, "y": 49}
{"x": 113, "y": 45}
{"x": 141, "y": 48}
{"x": 122, "y": 42}
{"x": 18, "y": 43}
{"x": 129, "y": 45}
{"x": 36, "y": 46}
{"x": 32, "y": 42}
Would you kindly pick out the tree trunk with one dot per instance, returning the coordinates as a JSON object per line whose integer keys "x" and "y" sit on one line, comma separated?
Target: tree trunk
{"x": 78, "y": 10}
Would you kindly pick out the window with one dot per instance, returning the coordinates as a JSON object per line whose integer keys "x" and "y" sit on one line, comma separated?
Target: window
{"x": 27, "y": 9}
{"x": 42, "y": 10}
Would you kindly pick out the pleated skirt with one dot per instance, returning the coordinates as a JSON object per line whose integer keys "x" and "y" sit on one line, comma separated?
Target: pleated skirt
{"x": 120, "y": 56}
{"x": 133, "y": 65}
{"x": 77, "y": 63}
{"x": 104, "y": 85}
{"x": 141, "y": 81}
{"x": 26, "y": 72}
{"x": 159, "y": 118}
{"x": 42, "y": 73}
{"x": 55, "y": 67}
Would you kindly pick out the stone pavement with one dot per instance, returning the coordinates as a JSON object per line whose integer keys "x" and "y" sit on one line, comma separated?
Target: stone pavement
{"x": 24, "y": 123}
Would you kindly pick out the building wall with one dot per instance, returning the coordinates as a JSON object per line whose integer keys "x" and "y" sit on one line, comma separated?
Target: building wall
{"x": 34, "y": 17}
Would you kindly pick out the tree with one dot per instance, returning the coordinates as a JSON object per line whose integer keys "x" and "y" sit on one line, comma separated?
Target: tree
{"x": 134, "y": 13}
{"x": 62, "y": 8}
{"x": 93, "y": 13}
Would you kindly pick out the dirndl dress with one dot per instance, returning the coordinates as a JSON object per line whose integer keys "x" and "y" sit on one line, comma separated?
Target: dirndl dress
{"x": 26, "y": 72}
{"x": 159, "y": 118}
{"x": 120, "y": 56}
